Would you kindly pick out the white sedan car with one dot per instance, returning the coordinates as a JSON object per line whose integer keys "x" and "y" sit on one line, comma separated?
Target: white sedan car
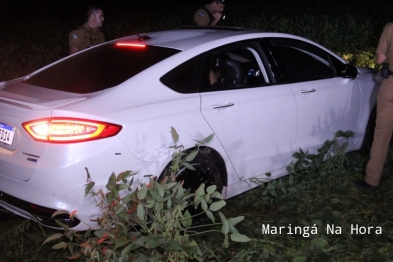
{"x": 110, "y": 108}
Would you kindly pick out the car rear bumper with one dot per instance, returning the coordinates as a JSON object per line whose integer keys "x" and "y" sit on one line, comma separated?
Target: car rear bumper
{"x": 36, "y": 213}
{"x": 58, "y": 182}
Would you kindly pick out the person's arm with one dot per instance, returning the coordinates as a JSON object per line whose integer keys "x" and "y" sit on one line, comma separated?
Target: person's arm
{"x": 380, "y": 58}
{"x": 217, "y": 16}
{"x": 73, "y": 49}
{"x": 384, "y": 44}
{"x": 201, "y": 17}
{"x": 74, "y": 41}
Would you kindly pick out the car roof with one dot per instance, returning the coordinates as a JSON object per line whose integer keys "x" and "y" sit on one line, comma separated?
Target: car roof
{"x": 189, "y": 37}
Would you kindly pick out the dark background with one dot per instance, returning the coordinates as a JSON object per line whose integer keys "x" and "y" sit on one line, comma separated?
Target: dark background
{"x": 34, "y": 33}
{"x": 17, "y": 9}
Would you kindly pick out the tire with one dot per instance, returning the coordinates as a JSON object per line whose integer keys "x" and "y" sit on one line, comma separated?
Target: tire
{"x": 206, "y": 171}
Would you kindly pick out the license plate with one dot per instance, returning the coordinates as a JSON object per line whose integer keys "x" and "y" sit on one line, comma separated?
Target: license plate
{"x": 7, "y": 133}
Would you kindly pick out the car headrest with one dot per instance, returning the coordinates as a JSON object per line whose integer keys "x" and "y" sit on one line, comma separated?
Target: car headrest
{"x": 231, "y": 71}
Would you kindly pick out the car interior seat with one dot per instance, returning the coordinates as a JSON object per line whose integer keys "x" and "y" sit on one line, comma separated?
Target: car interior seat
{"x": 231, "y": 71}
{"x": 231, "y": 74}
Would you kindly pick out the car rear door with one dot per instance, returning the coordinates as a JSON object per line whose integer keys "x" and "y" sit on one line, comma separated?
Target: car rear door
{"x": 326, "y": 101}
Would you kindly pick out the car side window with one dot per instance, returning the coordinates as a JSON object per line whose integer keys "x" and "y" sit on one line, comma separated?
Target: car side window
{"x": 299, "y": 61}
{"x": 233, "y": 68}
{"x": 229, "y": 67}
{"x": 186, "y": 77}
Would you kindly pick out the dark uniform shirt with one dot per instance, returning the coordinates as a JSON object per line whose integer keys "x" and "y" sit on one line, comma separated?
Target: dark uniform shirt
{"x": 85, "y": 37}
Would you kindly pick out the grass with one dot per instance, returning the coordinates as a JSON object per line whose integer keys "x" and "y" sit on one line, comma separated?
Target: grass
{"x": 326, "y": 200}
{"x": 303, "y": 201}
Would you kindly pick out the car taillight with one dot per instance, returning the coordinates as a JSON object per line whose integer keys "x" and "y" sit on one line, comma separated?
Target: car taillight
{"x": 67, "y": 130}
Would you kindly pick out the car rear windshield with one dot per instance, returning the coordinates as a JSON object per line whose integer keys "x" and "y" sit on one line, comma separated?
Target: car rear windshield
{"x": 99, "y": 68}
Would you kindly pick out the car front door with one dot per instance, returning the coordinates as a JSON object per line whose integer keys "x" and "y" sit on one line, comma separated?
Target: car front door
{"x": 326, "y": 101}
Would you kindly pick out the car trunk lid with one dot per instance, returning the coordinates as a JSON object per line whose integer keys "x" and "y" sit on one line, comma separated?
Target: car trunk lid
{"x": 19, "y": 153}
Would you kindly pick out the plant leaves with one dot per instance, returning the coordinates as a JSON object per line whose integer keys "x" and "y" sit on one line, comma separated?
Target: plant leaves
{"x": 203, "y": 204}
{"x": 319, "y": 242}
{"x": 236, "y": 237}
{"x": 125, "y": 174}
{"x": 52, "y": 237}
{"x": 60, "y": 212}
{"x": 208, "y": 138}
{"x": 225, "y": 227}
{"x": 175, "y": 136}
{"x": 60, "y": 245}
{"x": 111, "y": 182}
{"x": 150, "y": 243}
{"x": 186, "y": 220}
{"x": 222, "y": 217}
{"x": 120, "y": 187}
{"x": 339, "y": 133}
{"x": 169, "y": 185}
{"x": 210, "y": 189}
{"x": 234, "y": 220}
{"x": 75, "y": 256}
{"x": 217, "y": 195}
{"x": 299, "y": 259}
{"x": 188, "y": 166}
{"x": 173, "y": 245}
{"x": 296, "y": 155}
{"x": 191, "y": 156}
{"x": 126, "y": 199}
{"x": 126, "y": 250}
{"x": 88, "y": 233}
{"x": 140, "y": 212}
{"x": 62, "y": 225}
{"x": 211, "y": 216}
{"x": 160, "y": 189}
{"x": 349, "y": 133}
{"x": 142, "y": 192}
{"x": 89, "y": 186}
{"x": 232, "y": 229}
{"x": 201, "y": 190}
{"x": 120, "y": 243}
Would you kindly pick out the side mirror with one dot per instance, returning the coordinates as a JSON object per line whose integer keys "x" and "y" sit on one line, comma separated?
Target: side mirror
{"x": 350, "y": 71}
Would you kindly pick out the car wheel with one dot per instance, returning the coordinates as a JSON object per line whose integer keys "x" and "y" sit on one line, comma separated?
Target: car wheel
{"x": 206, "y": 171}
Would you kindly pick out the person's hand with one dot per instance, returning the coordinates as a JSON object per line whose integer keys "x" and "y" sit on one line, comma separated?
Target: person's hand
{"x": 217, "y": 16}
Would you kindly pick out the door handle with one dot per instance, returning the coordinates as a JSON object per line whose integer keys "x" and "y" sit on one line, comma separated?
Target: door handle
{"x": 305, "y": 92}
{"x": 219, "y": 107}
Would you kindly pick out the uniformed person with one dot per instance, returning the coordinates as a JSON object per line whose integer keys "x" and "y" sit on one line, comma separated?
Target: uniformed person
{"x": 88, "y": 34}
{"x": 210, "y": 14}
{"x": 384, "y": 121}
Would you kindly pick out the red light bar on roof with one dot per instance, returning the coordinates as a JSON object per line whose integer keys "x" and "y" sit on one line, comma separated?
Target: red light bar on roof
{"x": 131, "y": 45}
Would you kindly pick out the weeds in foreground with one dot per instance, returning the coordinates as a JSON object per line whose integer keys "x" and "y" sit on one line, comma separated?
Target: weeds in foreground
{"x": 316, "y": 198}
{"x": 153, "y": 222}
{"x": 317, "y": 214}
